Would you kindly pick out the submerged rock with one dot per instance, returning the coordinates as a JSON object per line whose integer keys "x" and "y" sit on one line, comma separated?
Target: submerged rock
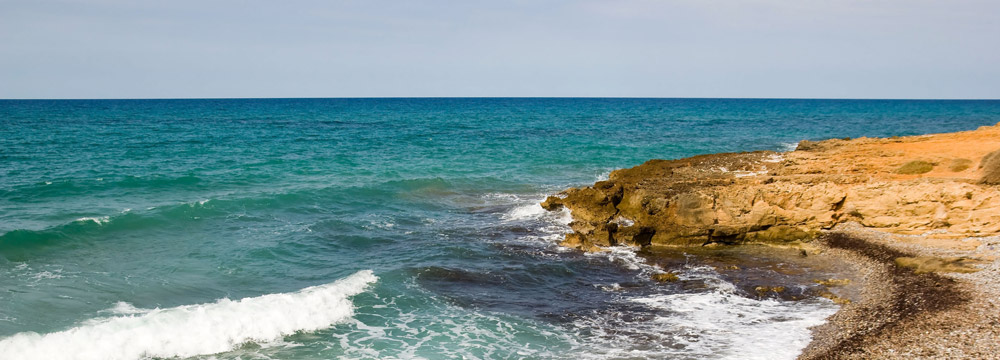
{"x": 665, "y": 277}
{"x": 764, "y": 290}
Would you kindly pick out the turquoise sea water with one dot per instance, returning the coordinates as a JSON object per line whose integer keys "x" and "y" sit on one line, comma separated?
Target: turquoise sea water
{"x": 376, "y": 228}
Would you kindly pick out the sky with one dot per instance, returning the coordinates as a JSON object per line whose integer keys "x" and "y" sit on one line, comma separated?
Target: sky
{"x": 546, "y": 48}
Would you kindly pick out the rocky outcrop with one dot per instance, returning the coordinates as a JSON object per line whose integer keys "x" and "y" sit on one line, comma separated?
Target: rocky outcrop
{"x": 947, "y": 184}
{"x": 991, "y": 168}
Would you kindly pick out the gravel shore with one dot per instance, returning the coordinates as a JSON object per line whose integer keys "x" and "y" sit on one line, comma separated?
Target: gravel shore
{"x": 903, "y": 314}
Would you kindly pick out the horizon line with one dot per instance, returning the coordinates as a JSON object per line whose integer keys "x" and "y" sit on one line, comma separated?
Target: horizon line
{"x": 498, "y": 97}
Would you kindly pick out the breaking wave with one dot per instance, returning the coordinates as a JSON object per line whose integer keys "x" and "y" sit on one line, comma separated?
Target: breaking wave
{"x": 191, "y": 330}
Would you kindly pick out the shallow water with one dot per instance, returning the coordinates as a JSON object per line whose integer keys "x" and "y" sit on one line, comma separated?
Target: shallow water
{"x": 121, "y": 216}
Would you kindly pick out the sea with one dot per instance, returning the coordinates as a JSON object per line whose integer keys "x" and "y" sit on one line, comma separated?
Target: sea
{"x": 389, "y": 228}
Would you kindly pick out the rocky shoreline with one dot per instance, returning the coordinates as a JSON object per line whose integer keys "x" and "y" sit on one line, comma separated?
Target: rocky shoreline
{"x": 918, "y": 216}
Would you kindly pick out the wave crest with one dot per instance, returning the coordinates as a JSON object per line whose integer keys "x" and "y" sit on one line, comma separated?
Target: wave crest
{"x": 201, "y": 329}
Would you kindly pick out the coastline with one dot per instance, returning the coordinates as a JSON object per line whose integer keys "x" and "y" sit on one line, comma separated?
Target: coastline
{"x": 916, "y": 216}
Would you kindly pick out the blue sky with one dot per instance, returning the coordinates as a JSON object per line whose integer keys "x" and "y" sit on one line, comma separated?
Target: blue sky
{"x": 628, "y": 48}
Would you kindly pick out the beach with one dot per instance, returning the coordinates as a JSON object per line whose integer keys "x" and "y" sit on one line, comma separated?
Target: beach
{"x": 902, "y": 314}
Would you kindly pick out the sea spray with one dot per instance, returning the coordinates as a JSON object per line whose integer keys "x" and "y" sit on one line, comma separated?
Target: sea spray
{"x": 191, "y": 330}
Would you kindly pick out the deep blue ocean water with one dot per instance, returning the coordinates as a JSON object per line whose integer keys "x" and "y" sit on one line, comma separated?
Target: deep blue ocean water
{"x": 376, "y": 228}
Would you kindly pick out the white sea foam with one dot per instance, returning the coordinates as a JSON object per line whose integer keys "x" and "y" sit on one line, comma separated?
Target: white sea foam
{"x": 34, "y": 276}
{"x": 789, "y": 146}
{"x": 549, "y": 226}
{"x": 124, "y": 308}
{"x": 529, "y": 208}
{"x": 562, "y": 217}
{"x": 99, "y": 220}
{"x": 48, "y": 275}
{"x": 191, "y": 330}
{"x": 725, "y": 325}
{"x": 502, "y": 197}
{"x": 716, "y": 324}
{"x": 530, "y": 211}
{"x": 627, "y": 257}
{"x": 381, "y": 222}
{"x": 604, "y": 176}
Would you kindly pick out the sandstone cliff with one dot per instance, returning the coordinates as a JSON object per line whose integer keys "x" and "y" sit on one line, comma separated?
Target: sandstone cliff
{"x": 946, "y": 183}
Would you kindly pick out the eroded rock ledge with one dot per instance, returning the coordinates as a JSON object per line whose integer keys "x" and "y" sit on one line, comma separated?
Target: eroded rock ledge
{"x": 941, "y": 183}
